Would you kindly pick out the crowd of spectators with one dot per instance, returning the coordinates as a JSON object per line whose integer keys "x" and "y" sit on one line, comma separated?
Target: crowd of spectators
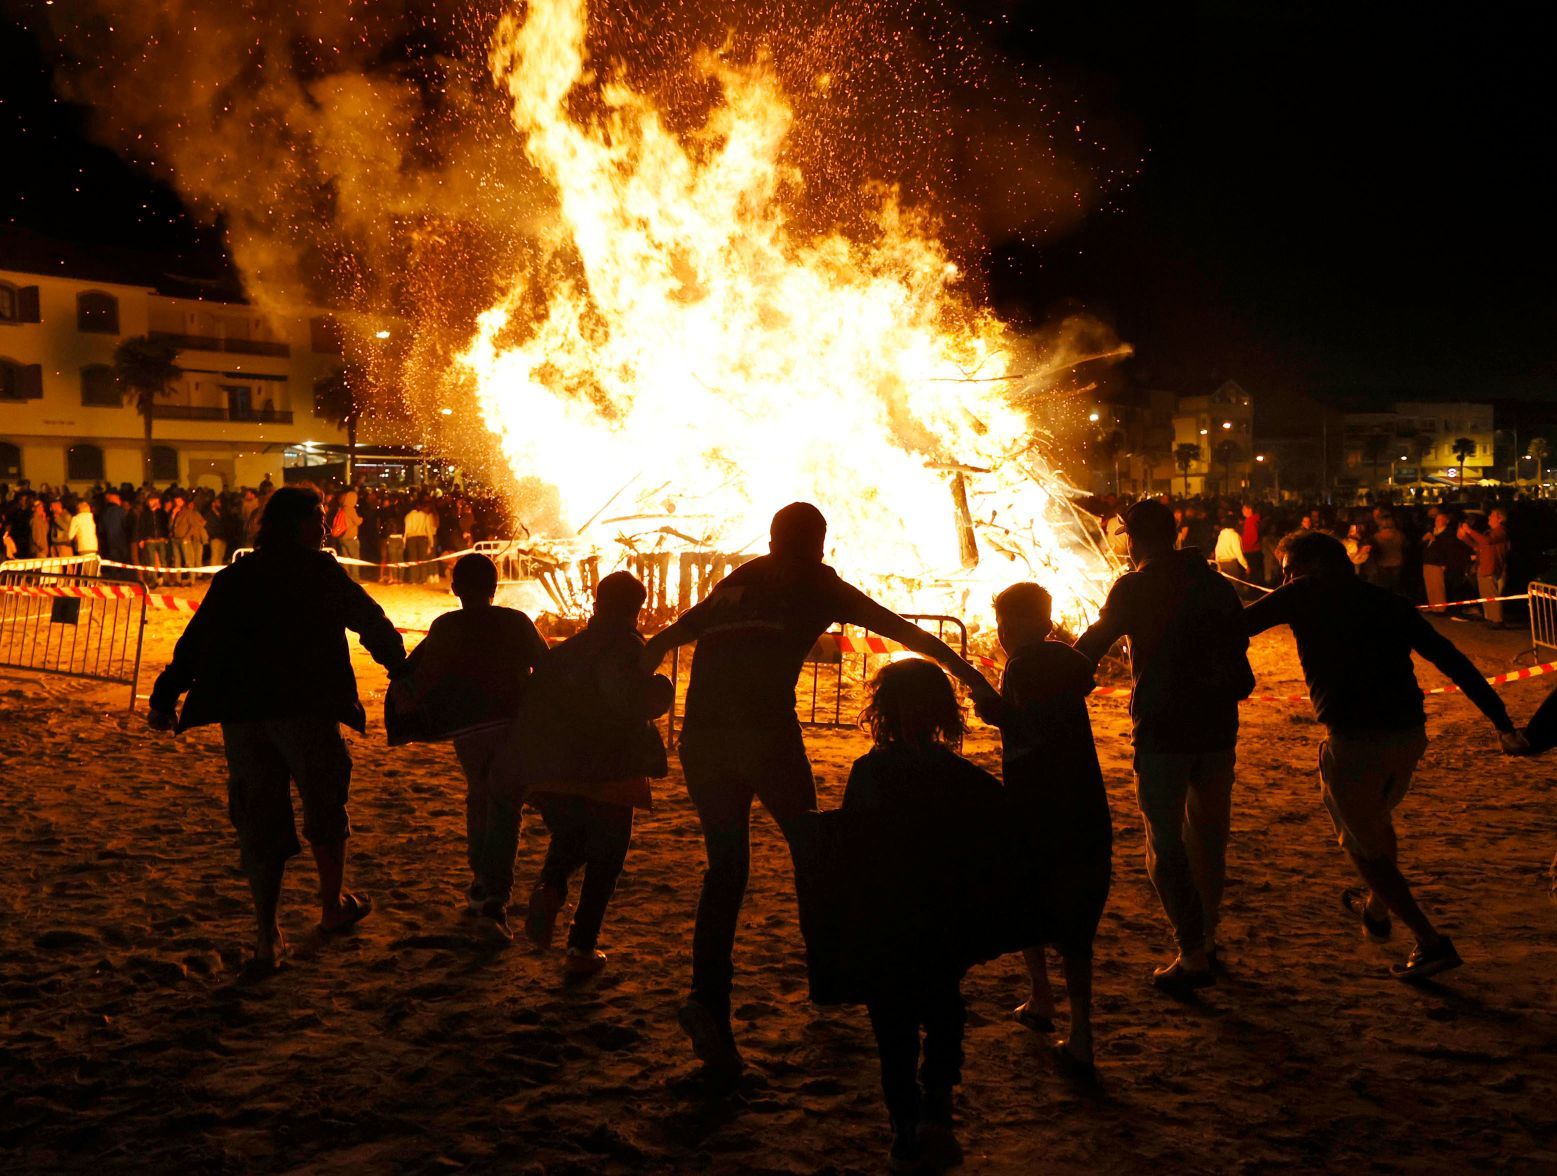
{"x": 172, "y": 529}
{"x": 1431, "y": 553}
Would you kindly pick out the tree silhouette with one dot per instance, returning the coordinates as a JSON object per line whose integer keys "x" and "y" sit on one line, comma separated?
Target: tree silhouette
{"x": 1186, "y": 454}
{"x": 145, "y": 367}
{"x": 1227, "y": 452}
{"x": 1462, "y": 448}
{"x": 340, "y": 399}
{"x": 1540, "y": 449}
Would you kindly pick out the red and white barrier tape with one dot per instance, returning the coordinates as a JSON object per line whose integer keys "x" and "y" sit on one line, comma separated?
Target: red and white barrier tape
{"x": 1422, "y": 607}
{"x": 212, "y": 569}
{"x": 159, "y": 600}
{"x": 1496, "y": 680}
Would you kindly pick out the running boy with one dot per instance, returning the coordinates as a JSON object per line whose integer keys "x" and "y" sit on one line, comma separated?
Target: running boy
{"x": 465, "y": 682}
{"x": 590, "y": 750}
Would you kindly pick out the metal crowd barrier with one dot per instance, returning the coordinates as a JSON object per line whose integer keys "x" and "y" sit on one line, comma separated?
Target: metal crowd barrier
{"x": 833, "y": 693}
{"x": 78, "y": 633}
{"x": 74, "y": 565}
{"x": 1543, "y": 616}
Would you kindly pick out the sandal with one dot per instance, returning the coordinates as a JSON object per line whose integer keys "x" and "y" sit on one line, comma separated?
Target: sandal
{"x": 1354, "y": 900}
{"x": 353, "y": 909}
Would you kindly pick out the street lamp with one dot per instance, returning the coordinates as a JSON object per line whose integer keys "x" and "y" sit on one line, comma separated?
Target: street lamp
{"x": 1093, "y": 418}
{"x": 1227, "y": 424}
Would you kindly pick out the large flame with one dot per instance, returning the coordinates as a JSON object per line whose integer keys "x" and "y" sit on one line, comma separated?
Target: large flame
{"x": 686, "y": 362}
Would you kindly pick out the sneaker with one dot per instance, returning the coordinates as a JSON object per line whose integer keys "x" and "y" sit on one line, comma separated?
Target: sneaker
{"x": 494, "y": 920}
{"x": 583, "y": 962}
{"x": 1427, "y": 961}
{"x": 1178, "y": 981}
{"x": 712, "y": 1041}
{"x": 540, "y": 921}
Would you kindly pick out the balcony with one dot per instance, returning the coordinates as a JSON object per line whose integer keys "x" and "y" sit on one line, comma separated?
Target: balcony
{"x": 221, "y": 343}
{"x": 200, "y": 412}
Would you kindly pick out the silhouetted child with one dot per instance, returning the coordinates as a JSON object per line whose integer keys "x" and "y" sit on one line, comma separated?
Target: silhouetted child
{"x": 943, "y": 814}
{"x": 589, "y": 749}
{"x": 1056, "y": 789}
{"x": 465, "y": 682}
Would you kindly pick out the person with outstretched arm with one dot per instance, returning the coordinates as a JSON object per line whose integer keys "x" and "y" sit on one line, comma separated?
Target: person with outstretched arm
{"x": 1190, "y": 666}
{"x": 1355, "y": 642}
{"x": 741, "y": 738}
{"x": 266, "y": 657}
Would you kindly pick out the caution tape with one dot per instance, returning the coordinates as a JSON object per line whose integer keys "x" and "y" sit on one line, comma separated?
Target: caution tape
{"x": 1422, "y": 607}
{"x": 829, "y": 645}
{"x": 1496, "y": 680}
{"x": 158, "y": 600}
{"x": 212, "y": 569}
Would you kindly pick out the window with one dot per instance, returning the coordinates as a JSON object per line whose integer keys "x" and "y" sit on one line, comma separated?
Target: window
{"x": 18, "y": 304}
{"x": 10, "y": 462}
{"x": 100, "y": 387}
{"x": 83, "y": 463}
{"x": 164, "y": 463}
{"x": 97, "y": 312}
{"x": 20, "y": 381}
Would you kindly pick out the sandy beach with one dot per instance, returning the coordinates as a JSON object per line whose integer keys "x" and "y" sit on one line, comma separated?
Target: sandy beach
{"x": 128, "y": 1040}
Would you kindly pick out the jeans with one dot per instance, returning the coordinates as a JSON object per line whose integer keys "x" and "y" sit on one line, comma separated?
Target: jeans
{"x": 352, "y": 549}
{"x": 934, "y": 1002}
{"x": 1490, "y": 586}
{"x": 263, "y": 758}
{"x": 592, "y": 834}
{"x": 1186, "y": 800}
{"x": 191, "y": 554}
{"x": 726, "y": 768}
{"x": 153, "y": 554}
{"x": 417, "y": 547}
{"x": 492, "y": 809}
{"x": 218, "y": 551}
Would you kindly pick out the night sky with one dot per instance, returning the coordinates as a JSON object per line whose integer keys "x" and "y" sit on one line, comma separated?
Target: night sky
{"x": 1336, "y": 199}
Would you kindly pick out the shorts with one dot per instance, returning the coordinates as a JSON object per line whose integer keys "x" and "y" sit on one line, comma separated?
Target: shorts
{"x": 1363, "y": 778}
{"x": 264, "y": 757}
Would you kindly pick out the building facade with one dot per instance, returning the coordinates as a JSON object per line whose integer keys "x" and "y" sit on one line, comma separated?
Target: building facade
{"x": 1415, "y": 443}
{"x": 246, "y": 394}
{"x": 1219, "y": 426}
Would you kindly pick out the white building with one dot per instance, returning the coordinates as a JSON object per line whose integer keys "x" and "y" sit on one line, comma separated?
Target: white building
{"x": 246, "y": 393}
{"x": 1415, "y": 441}
{"x": 1220, "y": 427}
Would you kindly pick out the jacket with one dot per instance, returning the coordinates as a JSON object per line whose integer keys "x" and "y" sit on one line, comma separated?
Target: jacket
{"x": 269, "y": 642}
{"x": 1189, "y": 655}
{"x": 586, "y": 726}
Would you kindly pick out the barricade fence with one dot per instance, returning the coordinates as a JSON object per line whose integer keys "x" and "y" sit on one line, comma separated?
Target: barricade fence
{"x": 77, "y": 626}
{"x": 1543, "y": 616}
{"x": 76, "y": 565}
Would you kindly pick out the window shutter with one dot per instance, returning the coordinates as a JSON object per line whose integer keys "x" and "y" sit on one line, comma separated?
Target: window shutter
{"x": 29, "y": 382}
{"x": 27, "y": 305}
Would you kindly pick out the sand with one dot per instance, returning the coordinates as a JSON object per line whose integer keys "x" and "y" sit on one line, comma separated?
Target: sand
{"x": 129, "y": 1040}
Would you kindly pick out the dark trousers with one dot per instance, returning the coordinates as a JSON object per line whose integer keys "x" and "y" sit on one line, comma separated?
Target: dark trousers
{"x": 935, "y": 1004}
{"x": 591, "y": 834}
{"x": 1256, "y": 560}
{"x": 726, "y": 768}
{"x": 491, "y": 811}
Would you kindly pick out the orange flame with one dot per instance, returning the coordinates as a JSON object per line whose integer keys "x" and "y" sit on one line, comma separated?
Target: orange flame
{"x": 700, "y": 365}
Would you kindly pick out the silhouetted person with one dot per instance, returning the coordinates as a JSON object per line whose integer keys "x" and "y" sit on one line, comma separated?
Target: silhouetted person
{"x": 1189, "y": 660}
{"x": 465, "y": 681}
{"x": 741, "y": 738}
{"x": 941, "y": 810}
{"x": 113, "y": 533}
{"x": 1355, "y": 642}
{"x": 1051, "y": 773}
{"x": 590, "y": 748}
{"x": 266, "y": 657}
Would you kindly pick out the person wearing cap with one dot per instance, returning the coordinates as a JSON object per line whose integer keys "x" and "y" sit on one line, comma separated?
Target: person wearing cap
{"x": 589, "y": 750}
{"x": 1355, "y": 642}
{"x": 1190, "y": 666}
{"x": 741, "y": 739}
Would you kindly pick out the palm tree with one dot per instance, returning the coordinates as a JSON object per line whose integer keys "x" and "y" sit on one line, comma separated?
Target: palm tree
{"x": 340, "y": 398}
{"x": 1540, "y": 449}
{"x": 1186, "y": 454}
{"x": 1227, "y": 452}
{"x": 144, "y": 367}
{"x": 1373, "y": 447}
{"x": 1462, "y": 448}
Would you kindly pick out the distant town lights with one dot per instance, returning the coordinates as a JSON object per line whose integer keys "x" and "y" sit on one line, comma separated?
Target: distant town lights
{"x": 1259, "y": 457}
{"x": 1203, "y": 432}
{"x": 1227, "y": 424}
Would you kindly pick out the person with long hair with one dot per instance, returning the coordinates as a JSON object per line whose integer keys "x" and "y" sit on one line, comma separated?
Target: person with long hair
{"x": 946, "y": 817}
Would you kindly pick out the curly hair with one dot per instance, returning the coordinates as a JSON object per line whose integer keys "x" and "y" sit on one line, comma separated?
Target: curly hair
{"x": 912, "y": 702}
